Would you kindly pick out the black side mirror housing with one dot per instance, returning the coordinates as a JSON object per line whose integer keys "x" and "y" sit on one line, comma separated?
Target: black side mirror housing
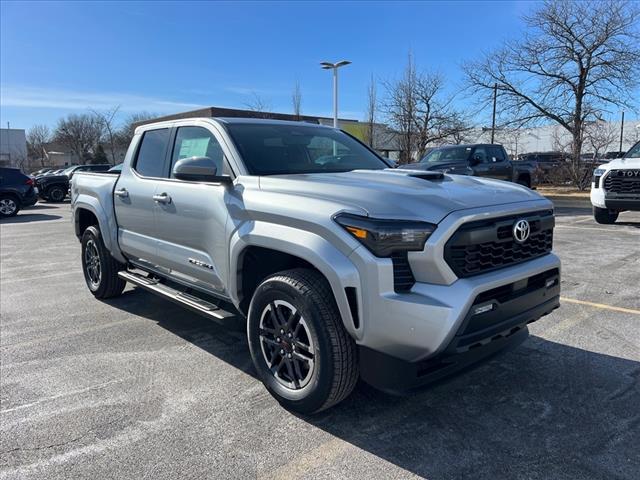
{"x": 475, "y": 160}
{"x": 198, "y": 169}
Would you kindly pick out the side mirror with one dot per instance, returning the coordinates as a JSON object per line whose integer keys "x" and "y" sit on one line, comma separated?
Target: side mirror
{"x": 198, "y": 169}
{"x": 475, "y": 160}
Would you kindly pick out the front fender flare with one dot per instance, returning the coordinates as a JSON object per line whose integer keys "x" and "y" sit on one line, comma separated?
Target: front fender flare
{"x": 336, "y": 267}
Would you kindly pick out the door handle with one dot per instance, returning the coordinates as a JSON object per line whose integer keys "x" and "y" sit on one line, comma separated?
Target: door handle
{"x": 162, "y": 198}
{"x": 122, "y": 193}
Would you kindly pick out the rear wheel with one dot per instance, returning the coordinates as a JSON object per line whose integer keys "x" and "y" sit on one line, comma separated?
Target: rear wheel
{"x": 604, "y": 215}
{"x": 299, "y": 346}
{"x": 524, "y": 181}
{"x": 99, "y": 267}
{"x": 9, "y": 206}
{"x": 56, "y": 194}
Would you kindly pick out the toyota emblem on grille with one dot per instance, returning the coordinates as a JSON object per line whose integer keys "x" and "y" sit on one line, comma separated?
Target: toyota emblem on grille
{"x": 521, "y": 230}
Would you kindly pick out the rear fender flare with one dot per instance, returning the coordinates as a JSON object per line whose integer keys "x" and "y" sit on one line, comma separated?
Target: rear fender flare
{"x": 106, "y": 223}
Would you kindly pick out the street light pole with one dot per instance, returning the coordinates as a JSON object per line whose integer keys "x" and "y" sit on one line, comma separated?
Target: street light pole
{"x": 334, "y": 67}
{"x": 335, "y": 98}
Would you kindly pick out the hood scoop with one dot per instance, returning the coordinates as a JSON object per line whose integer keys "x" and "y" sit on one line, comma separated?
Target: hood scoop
{"x": 422, "y": 174}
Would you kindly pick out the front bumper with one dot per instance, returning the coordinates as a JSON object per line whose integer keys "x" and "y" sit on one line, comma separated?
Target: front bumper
{"x": 505, "y": 312}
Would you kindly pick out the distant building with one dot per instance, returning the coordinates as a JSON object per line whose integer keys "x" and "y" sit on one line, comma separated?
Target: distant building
{"x": 13, "y": 148}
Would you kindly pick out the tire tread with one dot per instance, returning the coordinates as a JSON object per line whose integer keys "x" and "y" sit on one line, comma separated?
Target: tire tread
{"x": 114, "y": 285}
{"x": 316, "y": 290}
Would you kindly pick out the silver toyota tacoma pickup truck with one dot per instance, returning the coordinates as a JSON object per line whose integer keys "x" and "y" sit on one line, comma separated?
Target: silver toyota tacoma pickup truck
{"x": 342, "y": 267}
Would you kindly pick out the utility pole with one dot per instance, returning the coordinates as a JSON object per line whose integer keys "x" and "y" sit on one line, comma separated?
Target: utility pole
{"x": 493, "y": 120}
{"x": 621, "y": 131}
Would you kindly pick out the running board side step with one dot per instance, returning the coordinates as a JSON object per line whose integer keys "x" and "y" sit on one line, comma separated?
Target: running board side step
{"x": 189, "y": 301}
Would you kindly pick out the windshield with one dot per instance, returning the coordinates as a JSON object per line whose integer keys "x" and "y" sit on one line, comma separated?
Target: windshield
{"x": 634, "y": 152}
{"x": 450, "y": 154}
{"x": 67, "y": 171}
{"x": 272, "y": 149}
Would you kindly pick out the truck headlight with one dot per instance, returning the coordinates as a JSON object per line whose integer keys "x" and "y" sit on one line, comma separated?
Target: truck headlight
{"x": 597, "y": 174}
{"x": 383, "y": 237}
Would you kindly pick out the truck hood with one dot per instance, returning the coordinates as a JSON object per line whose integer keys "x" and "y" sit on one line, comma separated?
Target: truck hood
{"x": 48, "y": 178}
{"x": 400, "y": 193}
{"x": 622, "y": 163}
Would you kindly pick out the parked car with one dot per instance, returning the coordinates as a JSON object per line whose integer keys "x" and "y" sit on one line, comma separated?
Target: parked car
{"x": 54, "y": 187}
{"x": 341, "y": 265}
{"x": 48, "y": 173}
{"x": 41, "y": 171}
{"x": 616, "y": 187}
{"x": 16, "y": 191}
{"x": 478, "y": 160}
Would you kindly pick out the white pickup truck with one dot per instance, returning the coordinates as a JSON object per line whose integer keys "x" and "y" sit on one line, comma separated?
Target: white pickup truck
{"x": 342, "y": 266}
{"x": 616, "y": 187}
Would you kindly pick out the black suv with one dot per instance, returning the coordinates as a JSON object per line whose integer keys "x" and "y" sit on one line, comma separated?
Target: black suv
{"x": 54, "y": 188}
{"x": 16, "y": 191}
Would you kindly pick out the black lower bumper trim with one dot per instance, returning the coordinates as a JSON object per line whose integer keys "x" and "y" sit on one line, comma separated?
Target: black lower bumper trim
{"x": 622, "y": 203}
{"x": 392, "y": 374}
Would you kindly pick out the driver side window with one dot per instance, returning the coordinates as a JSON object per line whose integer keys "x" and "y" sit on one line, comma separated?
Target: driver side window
{"x": 198, "y": 142}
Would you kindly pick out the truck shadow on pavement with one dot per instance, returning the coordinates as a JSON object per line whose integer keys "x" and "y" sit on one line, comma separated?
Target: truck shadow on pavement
{"x": 543, "y": 410}
{"x": 26, "y": 217}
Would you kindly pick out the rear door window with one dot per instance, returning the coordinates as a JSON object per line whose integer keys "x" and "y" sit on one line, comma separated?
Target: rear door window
{"x": 496, "y": 154}
{"x": 481, "y": 154}
{"x": 151, "y": 154}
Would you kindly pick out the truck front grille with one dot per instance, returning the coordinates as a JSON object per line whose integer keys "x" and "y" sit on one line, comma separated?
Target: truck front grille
{"x": 486, "y": 245}
{"x": 623, "y": 181}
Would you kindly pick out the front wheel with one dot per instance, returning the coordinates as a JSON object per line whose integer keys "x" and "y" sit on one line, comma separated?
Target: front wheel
{"x": 99, "y": 267}
{"x": 299, "y": 346}
{"x": 604, "y": 215}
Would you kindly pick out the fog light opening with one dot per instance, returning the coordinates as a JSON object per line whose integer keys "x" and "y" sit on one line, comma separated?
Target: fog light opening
{"x": 487, "y": 307}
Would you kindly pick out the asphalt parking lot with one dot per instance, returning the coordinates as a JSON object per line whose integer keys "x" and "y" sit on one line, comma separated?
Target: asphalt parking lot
{"x": 136, "y": 387}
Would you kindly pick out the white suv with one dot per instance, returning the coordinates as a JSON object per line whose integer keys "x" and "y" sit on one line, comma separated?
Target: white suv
{"x": 616, "y": 187}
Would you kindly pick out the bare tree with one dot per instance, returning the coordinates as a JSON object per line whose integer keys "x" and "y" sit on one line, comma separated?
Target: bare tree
{"x": 126, "y": 131}
{"x": 80, "y": 133}
{"x": 632, "y": 134}
{"x": 600, "y": 136}
{"x": 107, "y": 120}
{"x": 372, "y": 106}
{"x": 510, "y": 140}
{"x": 259, "y": 104}
{"x": 37, "y": 138}
{"x": 420, "y": 111}
{"x": 576, "y": 59}
{"x": 296, "y": 100}
{"x": 400, "y": 109}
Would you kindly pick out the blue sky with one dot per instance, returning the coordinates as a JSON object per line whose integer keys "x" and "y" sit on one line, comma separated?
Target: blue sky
{"x": 58, "y": 58}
